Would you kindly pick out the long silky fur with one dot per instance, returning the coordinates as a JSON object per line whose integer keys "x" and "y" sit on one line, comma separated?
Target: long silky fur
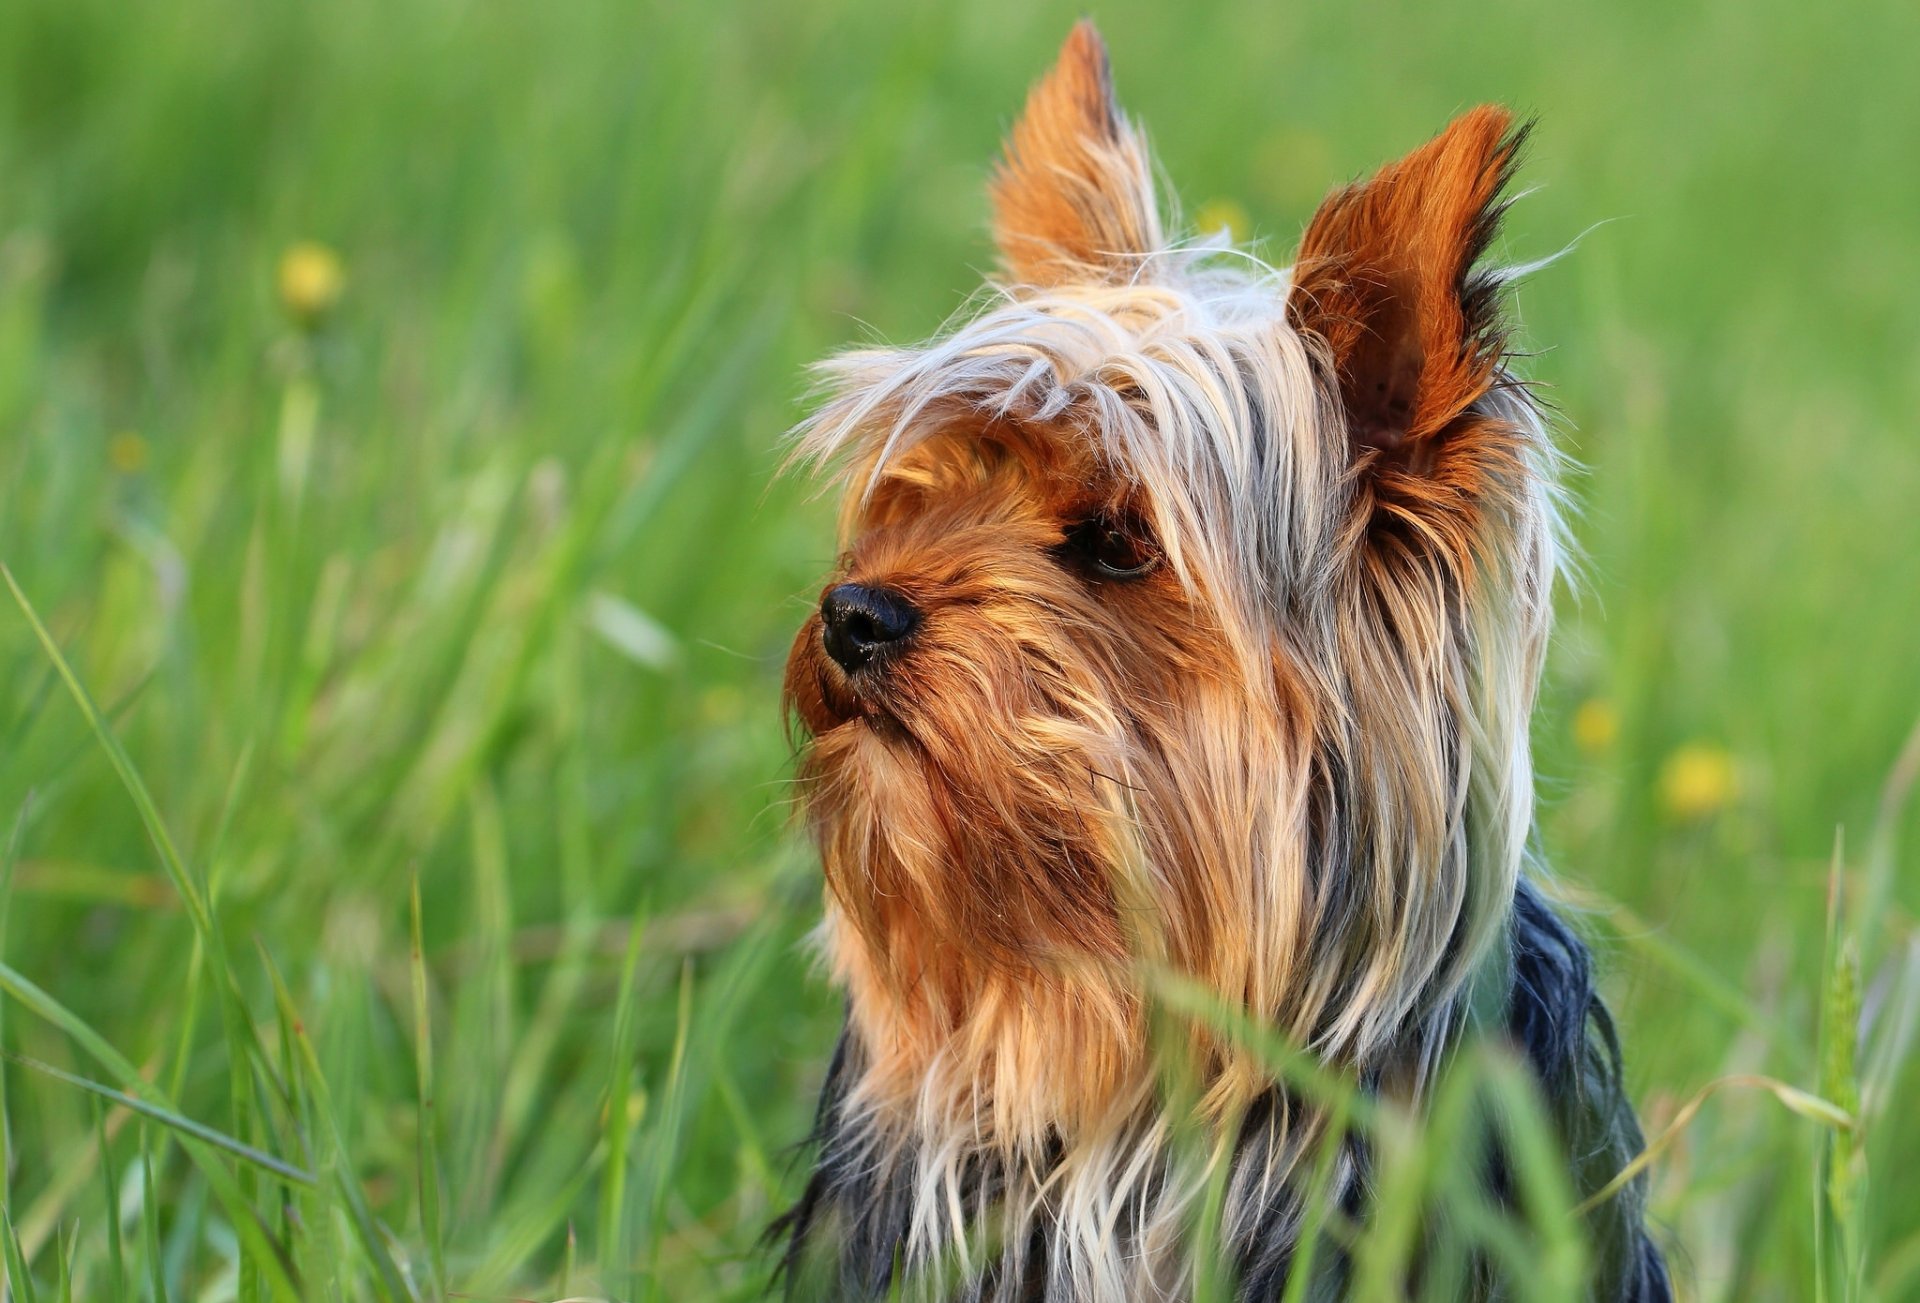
{"x": 1292, "y": 764}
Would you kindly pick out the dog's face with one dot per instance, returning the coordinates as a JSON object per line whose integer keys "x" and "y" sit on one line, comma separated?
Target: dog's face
{"x": 1004, "y": 642}
{"x": 1185, "y": 613}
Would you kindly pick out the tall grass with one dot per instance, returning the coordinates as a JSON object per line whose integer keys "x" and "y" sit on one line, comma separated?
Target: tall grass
{"x": 399, "y": 899}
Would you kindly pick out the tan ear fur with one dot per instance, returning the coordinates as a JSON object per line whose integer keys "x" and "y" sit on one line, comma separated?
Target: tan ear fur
{"x": 1073, "y": 194}
{"x": 1386, "y": 277}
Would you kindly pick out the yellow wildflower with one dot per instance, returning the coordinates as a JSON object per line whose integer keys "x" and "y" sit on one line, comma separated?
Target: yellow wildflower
{"x": 1228, "y": 214}
{"x": 127, "y": 452}
{"x": 1596, "y": 725}
{"x": 311, "y": 279}
{"x": 1698, "y": 780}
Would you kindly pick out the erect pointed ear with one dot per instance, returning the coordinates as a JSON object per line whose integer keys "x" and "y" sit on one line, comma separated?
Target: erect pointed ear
{"x": 1386, "y": 277}
{"x": 1073, "y": 195}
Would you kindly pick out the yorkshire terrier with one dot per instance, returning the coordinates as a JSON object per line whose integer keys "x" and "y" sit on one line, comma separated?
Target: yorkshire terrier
{"x": 1188, "y": 619}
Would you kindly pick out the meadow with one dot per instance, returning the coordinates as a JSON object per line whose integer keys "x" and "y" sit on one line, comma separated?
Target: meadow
{"x": 392, "y": 779}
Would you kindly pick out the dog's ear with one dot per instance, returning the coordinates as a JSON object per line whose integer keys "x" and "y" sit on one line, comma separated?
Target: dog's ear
{"x": 1073, "y": 194}
{"x": 1386, "y": 277}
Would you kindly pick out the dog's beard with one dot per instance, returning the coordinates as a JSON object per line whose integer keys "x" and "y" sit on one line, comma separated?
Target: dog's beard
{"x": 970, "y": 802}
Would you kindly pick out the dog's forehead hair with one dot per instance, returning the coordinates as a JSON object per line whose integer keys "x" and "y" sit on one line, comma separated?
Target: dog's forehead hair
{"x": 1193, "y": 389}
{"x": 1058, "y": 471}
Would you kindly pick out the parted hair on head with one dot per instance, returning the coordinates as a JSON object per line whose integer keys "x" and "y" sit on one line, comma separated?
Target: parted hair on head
{"x": 1188, "y": 611}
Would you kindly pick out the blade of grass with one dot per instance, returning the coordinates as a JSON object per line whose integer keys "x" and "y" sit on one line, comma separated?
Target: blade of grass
{"x": 190, "y": 1017}
{"x": 665, "y": 1129}
{"x": 35, "y": 702}
{"x": 1899, "y": 1270}
{"x": 1822, "y": 1207}
{"x": 8, "y": 859}
{"x": 1793, "y": 1098}
{"x": 534, "y": 1048}
{"x": 171, "y": 1120}
{"x": 420, "y": 804}
{"x": 1554, "y": 1263}
{"x": 326, "y": 1261}
{"x": 245, "y": 1218}
{"x": 1894, "y": 1030}
{"x": 150, "y": 1222}
{"x": 1841, "y": 1157}
{"x": 367, "y": 1232}
{"x": 741, "y": 973}
{"x": 752, "y": 1145}
{"x": 428, "y": 1155}
{"x": 170, "y": 858}
{"x": 1300, "y": 1070}
{"x": 529, "y": 1220}
{"x": 1402, "y": 1184}
{"x": 613, "y": 1181}
{"x": 110, "y": 1184}
{"x": 68, "y": 1244}
{"x": 19, "y": 1279}
{"x": 243, "y": 1045}
{"x": 484, "y": 1021}
{"x": 55, "y": 771}
{"x": 1319, "y": 1204}
{"x": 1716, "y": 990}
{"x": 72, "y": 1173}
{"x": 1882, "y": 844}
{"x": 1213, "y": 1277}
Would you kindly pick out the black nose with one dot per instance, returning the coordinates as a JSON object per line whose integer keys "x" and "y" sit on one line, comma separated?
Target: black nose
{"x": 857, "y": 623}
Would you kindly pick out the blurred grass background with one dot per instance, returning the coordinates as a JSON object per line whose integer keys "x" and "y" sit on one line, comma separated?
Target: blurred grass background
{"x": 476, "y": 576}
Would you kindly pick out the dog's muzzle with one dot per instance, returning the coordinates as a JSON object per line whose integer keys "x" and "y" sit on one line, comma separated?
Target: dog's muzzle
{"x": 860, "y": 624}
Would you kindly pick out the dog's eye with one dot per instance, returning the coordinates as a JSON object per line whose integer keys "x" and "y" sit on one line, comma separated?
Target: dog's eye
{"x": 1113, "y": 546}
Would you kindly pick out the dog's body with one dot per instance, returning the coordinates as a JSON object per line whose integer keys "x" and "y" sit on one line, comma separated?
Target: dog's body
{"x": 1190, "y": 620}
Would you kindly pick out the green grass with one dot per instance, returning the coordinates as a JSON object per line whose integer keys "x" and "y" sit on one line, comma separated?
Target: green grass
{"x": 460, "y": 912}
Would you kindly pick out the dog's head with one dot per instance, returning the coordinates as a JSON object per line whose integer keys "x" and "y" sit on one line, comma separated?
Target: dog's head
{"x": 1187, "y": 610}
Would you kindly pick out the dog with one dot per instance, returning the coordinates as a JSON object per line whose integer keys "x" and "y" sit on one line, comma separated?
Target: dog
{"x": 1189, "y": 619}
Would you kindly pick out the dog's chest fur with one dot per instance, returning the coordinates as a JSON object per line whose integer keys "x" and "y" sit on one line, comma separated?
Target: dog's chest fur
{"x": 1117, "y": 1225}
